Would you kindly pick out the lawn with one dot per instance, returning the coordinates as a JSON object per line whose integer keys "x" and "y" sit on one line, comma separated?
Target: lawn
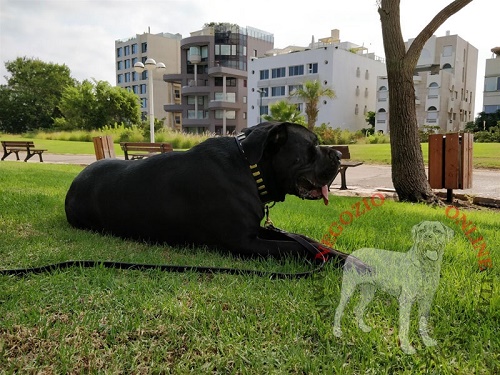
{"x": 114, "y": 321}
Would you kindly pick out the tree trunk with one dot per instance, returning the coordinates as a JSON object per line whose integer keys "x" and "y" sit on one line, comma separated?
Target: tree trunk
{"x": 408, "y": 170}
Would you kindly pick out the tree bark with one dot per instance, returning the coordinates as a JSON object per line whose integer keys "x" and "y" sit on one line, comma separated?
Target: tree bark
{"x": 408, "y": 170}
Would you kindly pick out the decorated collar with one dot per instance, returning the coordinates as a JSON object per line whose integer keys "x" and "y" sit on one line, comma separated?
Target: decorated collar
{"x": 254, "y": 169}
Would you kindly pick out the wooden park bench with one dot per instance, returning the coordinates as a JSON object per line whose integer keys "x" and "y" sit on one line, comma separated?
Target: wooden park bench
{"x": 15, "y": 147}
{"x": 144, "y": 149}
{"x": 344, "y": 164}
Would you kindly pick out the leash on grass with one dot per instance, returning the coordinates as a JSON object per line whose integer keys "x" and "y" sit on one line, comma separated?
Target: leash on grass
{"x": 319, "y": 255}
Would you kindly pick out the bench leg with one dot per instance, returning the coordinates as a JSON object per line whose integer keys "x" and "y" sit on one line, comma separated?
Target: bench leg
{"x": 5, "y": 154}
{"x": 28, "y": 156}
{"x": 40, "y": 156}
{"x": 343, "y": 183}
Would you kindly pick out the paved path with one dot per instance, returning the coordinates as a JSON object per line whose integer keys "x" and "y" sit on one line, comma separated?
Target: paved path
{"x": 361, "y": 180}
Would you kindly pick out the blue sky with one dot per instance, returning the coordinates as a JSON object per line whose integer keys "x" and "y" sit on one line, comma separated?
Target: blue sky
{"x": 81, "y": 33}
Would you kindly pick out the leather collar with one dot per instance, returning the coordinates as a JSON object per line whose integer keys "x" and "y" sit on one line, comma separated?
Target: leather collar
{"x": 254, "y": 169}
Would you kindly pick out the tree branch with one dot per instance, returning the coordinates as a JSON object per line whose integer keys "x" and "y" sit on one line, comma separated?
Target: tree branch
{"x": 418, "y": 43}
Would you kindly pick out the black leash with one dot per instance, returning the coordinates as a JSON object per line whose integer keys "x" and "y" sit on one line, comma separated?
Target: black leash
{"x": 159, "y": 267}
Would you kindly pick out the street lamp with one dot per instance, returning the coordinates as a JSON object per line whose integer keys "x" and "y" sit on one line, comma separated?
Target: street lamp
{"x": 151, "y": 66}
{"x": 261, "y": 93}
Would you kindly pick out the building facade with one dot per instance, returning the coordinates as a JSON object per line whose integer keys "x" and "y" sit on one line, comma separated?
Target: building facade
{"x": 445, "y": 82}
{"x": 344, "y": 67}
{"x": 491, "y": 95}
{"x": 213, "y": 77}
{"x": 163, "y": 47}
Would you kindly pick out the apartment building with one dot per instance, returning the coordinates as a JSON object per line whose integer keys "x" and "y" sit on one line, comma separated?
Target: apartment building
{"x": 162, "y": 47}
{"x": 445, "y": 83}
{"x": 491, "y": 95}
{"x": 213, "y": 77}
{"x": 346, "y": 68}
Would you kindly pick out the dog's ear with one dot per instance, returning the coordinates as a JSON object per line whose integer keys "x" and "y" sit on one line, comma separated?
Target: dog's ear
{"x": 265, "y": 138}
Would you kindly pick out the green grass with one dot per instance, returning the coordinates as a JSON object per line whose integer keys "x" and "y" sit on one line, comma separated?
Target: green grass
{"x": 485, "y": 155}
{"x": 110, "y": 321}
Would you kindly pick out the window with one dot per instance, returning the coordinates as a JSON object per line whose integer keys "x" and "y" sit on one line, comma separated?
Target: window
{"x": 278, "y": 91}
{"x": 134, "y": 60}
{"x": 264, "y": 110}
{"x": 264, "y": 91}
{"x": 126, "y": 50}
{"x": 134, "y": 48}
{"x": 144, "y": 103}
{"x": 119, "y": 78}
{"x": 177, "y": 119}
{"x": 127, "y": 77}
{"x": 143, "y": 88}
{"x": 191, "y": 100}
{"x": 357, "y": 90}
{"x": 119, "y": 52}
{"x": 230, "y": 81}
{"x": 264, "y": 74}
{"x": 134, "y": 76}
{"x": 312, "y": 68}
{"x": 230, "y": 97}
{"x": 492, "y": 84}
{"x": 296, "y": 70}
{"x": 135, "y": 89}
{"x": 278, "y": 72}
{"x": 367, "y": 74}
{"x": 366, "y": 92}
{"x": 230, "y": 115}
{"x": 381, "y": 116}
{"x": 432, "y": 115}
{"x": 491, "y": 108}
{"x": 144, "y": 47}
{"x": 127, "y": 64}
{"x": 292, "y": 88}
{"x": 447, "y": 51}
{"x": 446, "y": 66}
{"x": 356, "y": 110}
{"x": 433, "y": 90}
{"x": 177, "y": 94}
{"x": 119, "y": 65}
{"x": 358, "y": 72}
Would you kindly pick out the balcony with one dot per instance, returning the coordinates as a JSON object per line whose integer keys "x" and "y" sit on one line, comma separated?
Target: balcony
{"x": 221, "y": 104}
{"x": 195, "y": 87}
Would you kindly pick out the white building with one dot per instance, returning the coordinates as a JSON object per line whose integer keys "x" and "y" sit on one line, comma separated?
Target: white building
{"x": 491, "y": 95}
{"x": 445, "y": 82}
{"x": 344, "y": 67}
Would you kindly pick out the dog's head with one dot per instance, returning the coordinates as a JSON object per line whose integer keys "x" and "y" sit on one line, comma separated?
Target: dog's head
{"x": 291, "y": 160}
{"x": 430, "y": 238}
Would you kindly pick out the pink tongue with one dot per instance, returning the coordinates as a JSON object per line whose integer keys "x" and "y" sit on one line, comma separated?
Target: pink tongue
{"x": 324, "y": 192}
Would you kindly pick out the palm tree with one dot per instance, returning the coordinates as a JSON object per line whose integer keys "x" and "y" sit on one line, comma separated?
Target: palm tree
{"x": 285, "y": 112}
{"x": 311, "y": 93}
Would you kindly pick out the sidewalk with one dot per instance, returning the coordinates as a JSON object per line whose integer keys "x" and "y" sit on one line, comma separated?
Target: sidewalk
{"x": 361, "y": 181}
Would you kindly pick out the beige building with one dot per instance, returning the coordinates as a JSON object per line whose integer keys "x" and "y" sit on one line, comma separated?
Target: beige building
{"x": 213, "y": 78}
{"x": 445, "y": 83}
{"x": 491, "y": 95}
{"x": 163, "y": 47}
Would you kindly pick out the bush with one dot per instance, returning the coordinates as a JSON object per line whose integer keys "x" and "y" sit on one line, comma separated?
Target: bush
{"x": 487, "y": 137}
{"x": 330, "y": 136}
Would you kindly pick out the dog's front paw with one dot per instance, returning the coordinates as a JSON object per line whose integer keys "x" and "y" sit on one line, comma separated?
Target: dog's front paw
{"x": 407, "y": 348}
{"x": 429, "y": 341}
{"x": 363, "y": 326}
{"x": 337, "y": 331}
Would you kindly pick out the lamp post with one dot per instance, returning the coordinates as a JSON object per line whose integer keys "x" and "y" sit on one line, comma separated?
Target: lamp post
{"x": 151, "y": 66}
{"x": 261, "y": 93}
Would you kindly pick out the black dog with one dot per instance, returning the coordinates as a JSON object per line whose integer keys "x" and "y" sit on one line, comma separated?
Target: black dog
{"x": 213, "y": 194}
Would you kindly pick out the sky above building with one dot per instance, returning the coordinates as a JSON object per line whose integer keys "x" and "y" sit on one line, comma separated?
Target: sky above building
{"x": 82, "y": 33}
